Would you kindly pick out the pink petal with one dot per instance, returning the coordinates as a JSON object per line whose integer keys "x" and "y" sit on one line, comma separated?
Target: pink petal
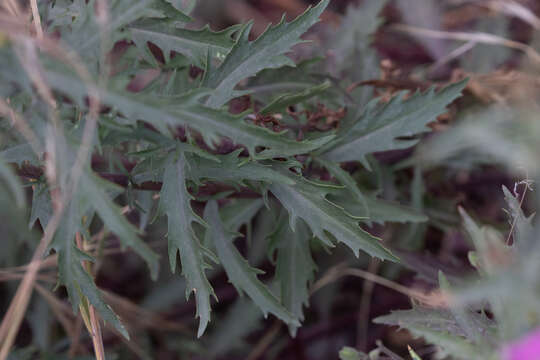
{"x": 525, "y": 348}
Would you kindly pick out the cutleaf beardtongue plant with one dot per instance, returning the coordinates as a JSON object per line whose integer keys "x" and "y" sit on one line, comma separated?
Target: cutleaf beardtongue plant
{"x": 172, "y": 132}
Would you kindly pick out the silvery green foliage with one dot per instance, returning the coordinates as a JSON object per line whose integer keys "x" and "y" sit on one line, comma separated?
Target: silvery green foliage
{"x": 177, "y": 138}
{"x": 465, "y": 330}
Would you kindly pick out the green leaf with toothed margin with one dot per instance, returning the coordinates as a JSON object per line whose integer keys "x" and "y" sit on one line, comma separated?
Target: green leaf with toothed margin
{"x": 232, "y": 168}
{"x": 307, "y": 201}
{"x": 78, "y": 282}
{"x": 247, "y": 58}
{"x": 380, "y": 210}
{"x": 170, "y": 111}
{"x": 239, "y": 272}
{"x": 383, "y": 127}
{"x": 95, "y": 190}
{"x": 283, "y": 101}
{"x": 194, "y": 44}
{"x": 295, "y": 268}
{"x": 175, "y": 202}
{"x": 346, "y": 180}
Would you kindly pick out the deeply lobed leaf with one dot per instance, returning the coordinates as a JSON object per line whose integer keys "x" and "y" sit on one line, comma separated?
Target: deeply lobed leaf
{"x": 382, "y": 127}
{"x": 175, "y": 202}
{"x": 162, "y": 112}
{"x": 239, "y": 272}
{"x": 295, "y": 268}
{"x": 194, "y": 44}
{"x": 308, "y": 201}
{"x": 247, "y": 58}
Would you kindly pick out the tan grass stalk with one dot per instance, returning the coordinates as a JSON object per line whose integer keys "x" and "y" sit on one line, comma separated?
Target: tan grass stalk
{"x": 265, "y": 341}
{"x": 17, "y": 308}
{"x": 478, "y": 37}
{"x": 88, "y": 311}
{"x": 37, "y": 18}
{"x": 11, "y": 323}
{"x": 435, "y": 299}
{"x": 12, "y": 7}
{"x": 513, "y": 8}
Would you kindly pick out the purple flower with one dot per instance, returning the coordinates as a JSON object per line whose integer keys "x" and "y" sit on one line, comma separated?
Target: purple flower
{"x": 524, "y": 348}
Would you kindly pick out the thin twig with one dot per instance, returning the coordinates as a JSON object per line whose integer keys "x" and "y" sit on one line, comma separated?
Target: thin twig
{"x": 5, "y": 276}
{"x": 17, "y": 308}
{"x": 149, "y": 319}
{"x": 51, "y": 261}
{"x": 97, "y": 336}
{"x": 460, "y": 50}
{"x": 478, "y": 37}
{"x": 94, "y": 327}
{"x": 37, "y": 18}
{"x": 435, "y": 299}
{"x": 265, "y": 341}
{"x": 28, "y": 57}
{"x": 514, "y": 221}
{"x": 13, "y": 7}
{"x": 365, "y": 306}
{"x": 513, "y": 8}
{"x": 12, "y": 321}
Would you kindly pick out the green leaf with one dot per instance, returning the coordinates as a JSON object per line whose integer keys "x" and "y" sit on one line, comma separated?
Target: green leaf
{"x": 440, "y": 325}
{"x": 295, "y": 268}
{"x": 474, "y": 232}
{"x": 194, "y": 44}
{"x": 240, "y": 212}
{"x": 451, "y": 345}
{"x": 82, "y": 31}
{"x": 41, "y": 205}
{"x": 428, "y": 325}
{"x": 150, "y": 168}
{"x": 357, "y": 27}
{"x": 234, "y": 215}
{"x": 436, "y": 319}
{"x": 382, "y": 126}
{"x": 169, "y": 10}
{"x": 414, "y": 355}
{"x": 175, "y": 202}
{"x": 19, "y": 154}
{"x": 349, "y": 353}
{"x": 271, "y": 83}
{"x": 233, "y": 168}
{"x": 283, "y": 101}
{"x": 78, "y": 282}
{"x": 464, "y": 318}
{"x": 238, "y": 270}
{"x": 489, "y": 246}
{"x": 162, "y": 112}
{"x": 93, "y": 188}
{"x": 12, "y": 183}
{"x": 493, "y": 135}
{"x": 523, "y": 225}
{"x": 352, "y": 57}
{"x": 380, "y": 210}
{"x": 308, "y": 201}
{"x": 247, "y": 58}
{"x": 346, "y": 180}
{"x": 185, "y": 6}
